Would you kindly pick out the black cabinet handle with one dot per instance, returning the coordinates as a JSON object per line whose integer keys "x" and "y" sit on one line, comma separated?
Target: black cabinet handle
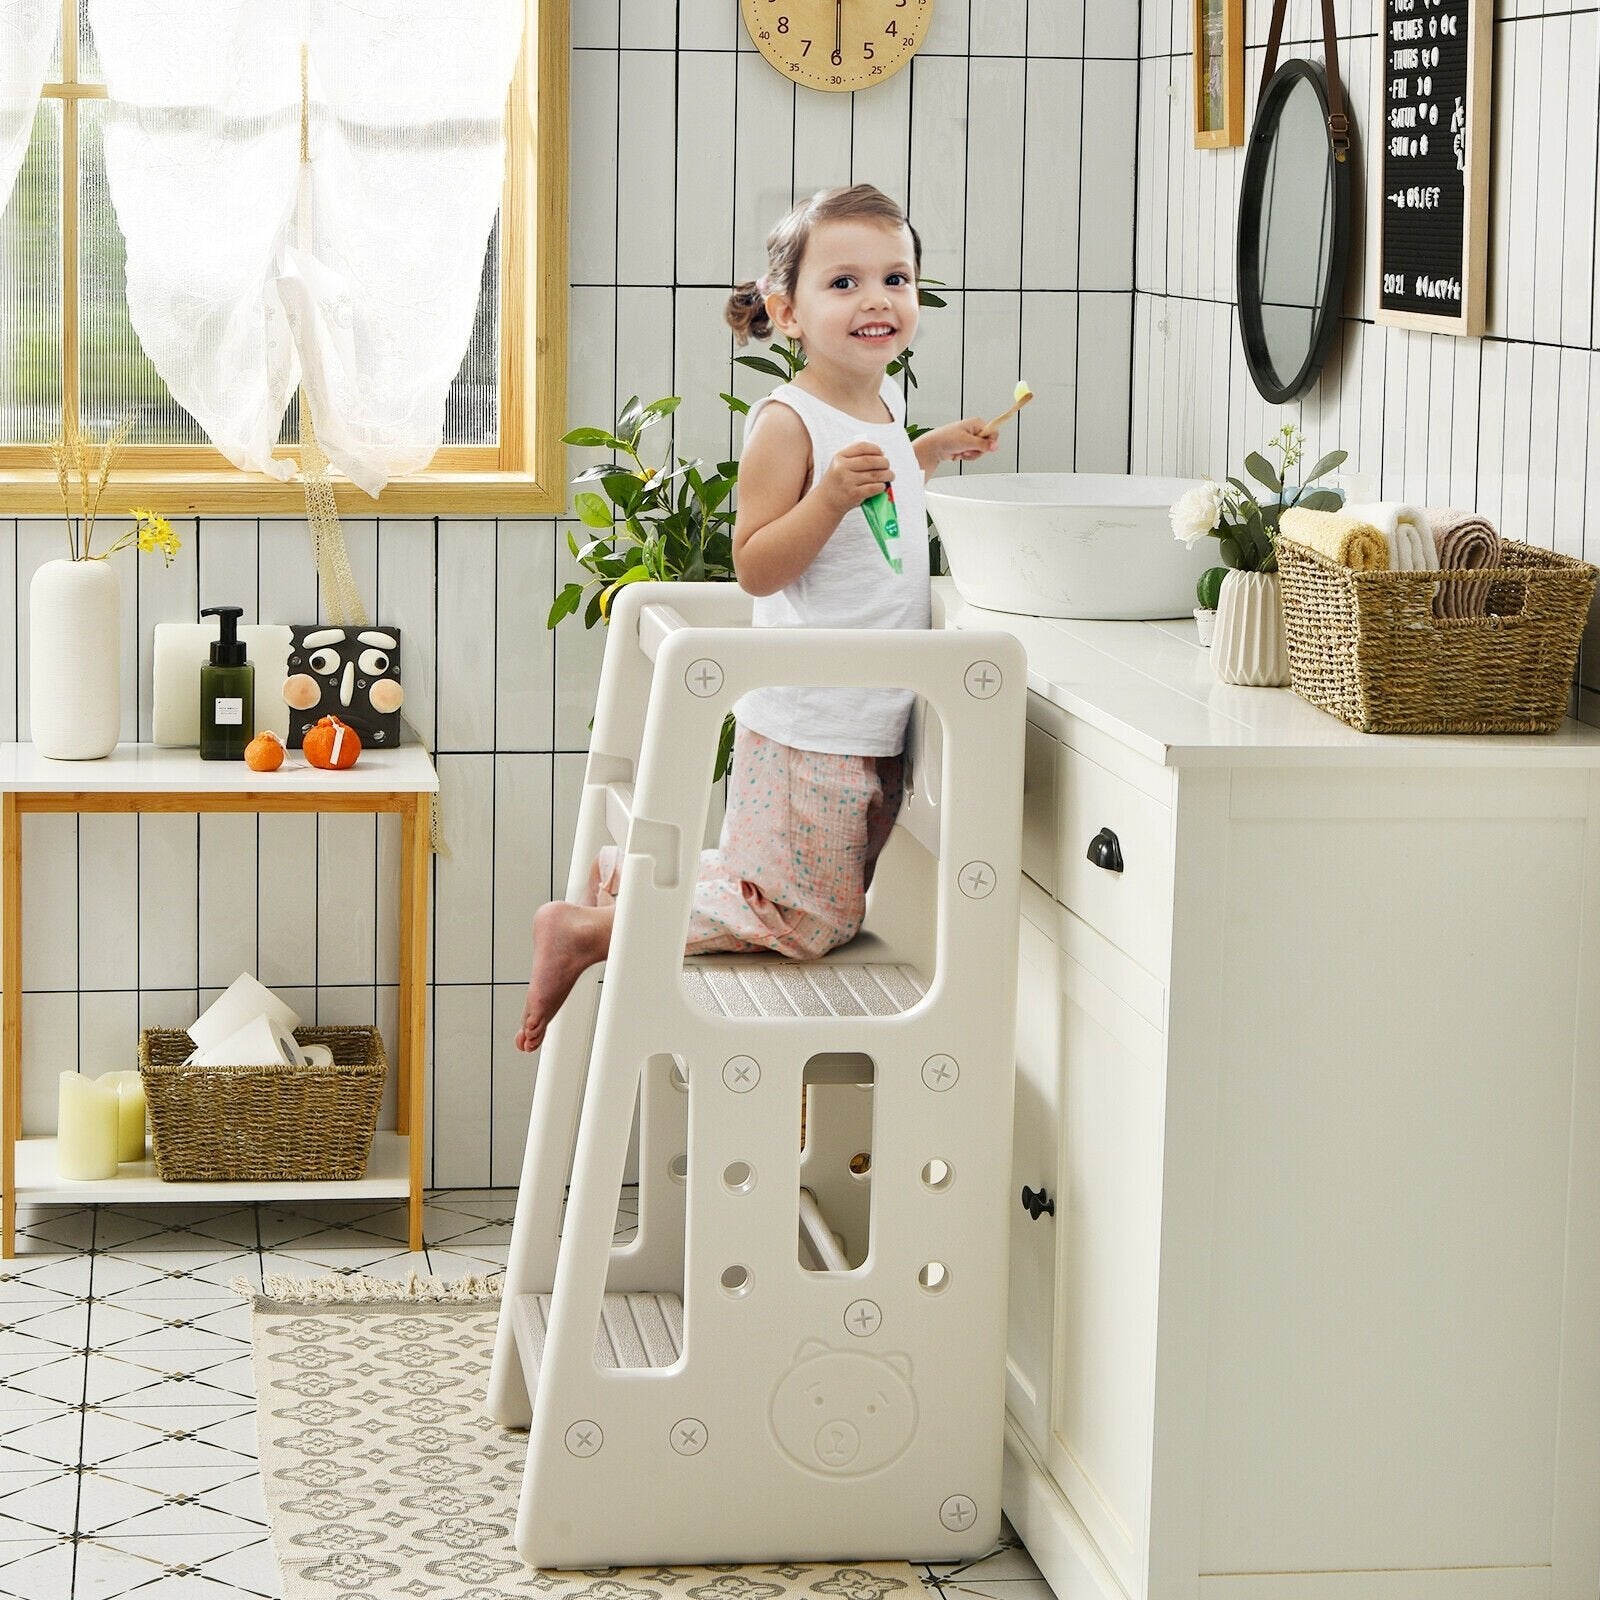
{"x": 1105, "y": 852}
{"x": 1037, "y": 1203}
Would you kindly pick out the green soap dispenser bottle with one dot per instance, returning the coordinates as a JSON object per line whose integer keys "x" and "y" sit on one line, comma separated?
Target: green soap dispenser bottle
{"x": 227, "y": 692}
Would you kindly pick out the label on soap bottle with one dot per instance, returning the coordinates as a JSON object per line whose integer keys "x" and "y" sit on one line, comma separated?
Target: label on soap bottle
{"x": 228, "y": 711}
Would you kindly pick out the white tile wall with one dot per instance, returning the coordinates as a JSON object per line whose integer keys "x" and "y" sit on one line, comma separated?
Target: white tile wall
{"x": 1507, "y": 423}
{"x": 1012, "y": 140}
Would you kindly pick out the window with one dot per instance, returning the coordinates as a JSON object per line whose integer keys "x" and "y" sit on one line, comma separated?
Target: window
{"x": 65, "y": 336}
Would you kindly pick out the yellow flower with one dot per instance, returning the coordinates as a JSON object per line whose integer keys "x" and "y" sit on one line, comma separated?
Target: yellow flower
{"x": 153, "y": 532}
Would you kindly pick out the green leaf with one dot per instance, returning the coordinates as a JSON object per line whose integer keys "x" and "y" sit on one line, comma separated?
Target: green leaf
{"x": 1245, "y": 489}
{"x": 593, "y": 510}
{"x": 1261, "y": 470}
{"x": 628, "y": 417}
{"x": 734, "y": 403}
{"x": 1334, "y": 458}
{"x": 565, "y": 603}
{"x": 724, "y": 749}
{"x": 657, "y": 409}
{"x": 761, "y": 364}
{"x": 1232, "y": 554}
{"x": 1321, "y": 500}
{"x": 924, "y": 298}
{"x": 593, "y": 437}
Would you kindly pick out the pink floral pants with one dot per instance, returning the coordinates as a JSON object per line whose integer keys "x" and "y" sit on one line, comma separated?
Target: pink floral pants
{"x": 800, "y": 839}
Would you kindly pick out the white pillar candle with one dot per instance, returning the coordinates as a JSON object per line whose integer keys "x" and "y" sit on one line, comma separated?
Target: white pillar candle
{"x": 130, "y": 1113}
{"x": 86, "y": 1128}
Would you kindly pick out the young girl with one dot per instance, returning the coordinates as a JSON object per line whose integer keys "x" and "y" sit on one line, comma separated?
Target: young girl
{"x": 816, "y": 779}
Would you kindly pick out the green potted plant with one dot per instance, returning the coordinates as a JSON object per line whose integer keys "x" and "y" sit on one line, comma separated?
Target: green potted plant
{"x": 1247, "y": 639}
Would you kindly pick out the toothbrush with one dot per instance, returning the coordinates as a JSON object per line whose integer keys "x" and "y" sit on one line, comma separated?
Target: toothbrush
{"x": 1022, "y": 395}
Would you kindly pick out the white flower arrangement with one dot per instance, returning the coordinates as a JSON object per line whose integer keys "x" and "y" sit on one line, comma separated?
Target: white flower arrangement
{"x": 1246, "y": 528}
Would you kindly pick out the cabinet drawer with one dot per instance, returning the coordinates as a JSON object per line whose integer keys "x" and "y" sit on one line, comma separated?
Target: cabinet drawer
{"x": 1040, "y": 754}
{"x": 1132, "y": 907}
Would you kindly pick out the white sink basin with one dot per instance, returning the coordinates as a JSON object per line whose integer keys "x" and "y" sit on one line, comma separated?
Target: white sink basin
{"x": 1068, "y": 544}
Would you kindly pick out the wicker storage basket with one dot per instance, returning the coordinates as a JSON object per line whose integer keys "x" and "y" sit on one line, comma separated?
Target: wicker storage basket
{"x": 1367, "y": 646}
{"x": 266, "y": 1123}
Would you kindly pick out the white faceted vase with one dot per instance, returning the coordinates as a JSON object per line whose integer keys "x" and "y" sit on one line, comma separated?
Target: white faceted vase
{"x": 1248, "y": 644}
{"x": 74, "y": 659}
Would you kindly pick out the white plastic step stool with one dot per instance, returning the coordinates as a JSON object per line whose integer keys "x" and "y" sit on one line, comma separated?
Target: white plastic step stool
{"x": 801, "y": 1354}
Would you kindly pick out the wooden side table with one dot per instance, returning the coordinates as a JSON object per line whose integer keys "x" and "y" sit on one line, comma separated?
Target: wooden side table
{"x": 146, "y": 778}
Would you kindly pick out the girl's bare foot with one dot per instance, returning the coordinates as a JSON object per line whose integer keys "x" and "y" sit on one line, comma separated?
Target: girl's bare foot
{"x": 567, "y": 939}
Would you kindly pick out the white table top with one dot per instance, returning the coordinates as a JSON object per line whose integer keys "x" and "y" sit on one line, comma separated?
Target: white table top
{"x": 1150, "y": 686}
{"x": 151, "y": 769}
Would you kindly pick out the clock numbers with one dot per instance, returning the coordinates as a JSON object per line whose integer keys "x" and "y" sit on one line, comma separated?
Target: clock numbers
{"x": 860, "y": 42}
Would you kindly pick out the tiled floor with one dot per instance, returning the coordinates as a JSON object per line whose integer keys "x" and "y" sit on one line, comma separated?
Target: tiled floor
{"x": 127, "y": 1419}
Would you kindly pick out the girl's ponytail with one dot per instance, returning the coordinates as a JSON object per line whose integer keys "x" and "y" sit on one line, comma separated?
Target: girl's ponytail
{"x": 746, "y": 312}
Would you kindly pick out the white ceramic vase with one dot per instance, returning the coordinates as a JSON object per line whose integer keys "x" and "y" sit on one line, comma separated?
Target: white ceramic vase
{"x": 74, "y": 659}
{"x": 1248, "y": 644}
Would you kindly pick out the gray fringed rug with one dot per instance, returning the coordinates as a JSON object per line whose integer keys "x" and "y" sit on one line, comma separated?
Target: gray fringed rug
{"x": 386, "y": 1477}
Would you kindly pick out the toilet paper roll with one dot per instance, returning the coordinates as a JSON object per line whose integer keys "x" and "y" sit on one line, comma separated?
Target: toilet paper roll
{"x": 318, "y": 1055}
{"x": 243, "y": 1000}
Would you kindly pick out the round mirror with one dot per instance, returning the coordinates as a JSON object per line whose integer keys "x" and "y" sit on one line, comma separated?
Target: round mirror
{"x": 1294, "y": 223}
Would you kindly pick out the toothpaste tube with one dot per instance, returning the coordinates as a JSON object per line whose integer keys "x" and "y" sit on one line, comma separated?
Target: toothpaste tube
{"x": 885, "y": 524}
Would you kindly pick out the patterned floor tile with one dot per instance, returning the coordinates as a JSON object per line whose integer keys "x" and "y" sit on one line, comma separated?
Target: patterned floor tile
{"x": 51, "y": 1230}
{"x": 44, "y": 1277}
{"x": 31, "y": 1573}
{"x": 169, "y": 1274}
{"x": 34, "y": 1380}
{"x": 36, "y": 1328}
{"x": 31, "y": 1440}
{"x": 170, "y": 1566}
{"x": 490, "y": 1262}
{"x": 138, "y": 1312}
{"x": 151, "y": 1440}
{"x": 169, "y": 1378}
{"x": 172, "y": 1500}
{"x": 315, "y": 1259}
{"x": 169, "y": 1227}
{"x": 37, "y": 1505}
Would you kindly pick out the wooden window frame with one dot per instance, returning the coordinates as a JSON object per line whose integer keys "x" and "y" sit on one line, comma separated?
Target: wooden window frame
{"x": 522, "y": 475}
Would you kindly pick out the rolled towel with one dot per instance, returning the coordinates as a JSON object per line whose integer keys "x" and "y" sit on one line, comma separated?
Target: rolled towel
{"x": 1465, "y": 542}
{"x": 1349, "y": 540}
{"x": 1407, "y": 529}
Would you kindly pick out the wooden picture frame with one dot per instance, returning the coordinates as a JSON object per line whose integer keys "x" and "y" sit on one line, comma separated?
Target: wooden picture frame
{"x": 1398, "y": 263}
{"x": 1218, "y": 73}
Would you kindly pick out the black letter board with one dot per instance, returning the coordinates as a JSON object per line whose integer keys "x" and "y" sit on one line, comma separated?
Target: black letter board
{"x": 1433, "y": 194}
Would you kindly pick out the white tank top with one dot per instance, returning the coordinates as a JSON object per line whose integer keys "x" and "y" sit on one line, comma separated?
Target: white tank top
{"x": 848, "y": 585}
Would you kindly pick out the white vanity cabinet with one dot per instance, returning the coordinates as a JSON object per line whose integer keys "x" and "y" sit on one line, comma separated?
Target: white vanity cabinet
{"x": 1312, "y": 1084}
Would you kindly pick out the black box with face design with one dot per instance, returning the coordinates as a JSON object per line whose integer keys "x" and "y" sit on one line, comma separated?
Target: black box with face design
{"x": 349, "y": 673}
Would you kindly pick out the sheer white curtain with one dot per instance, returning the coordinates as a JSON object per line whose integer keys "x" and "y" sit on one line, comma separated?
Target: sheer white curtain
{"x": 28, "y": 30}
{"x": 355, "y": 273}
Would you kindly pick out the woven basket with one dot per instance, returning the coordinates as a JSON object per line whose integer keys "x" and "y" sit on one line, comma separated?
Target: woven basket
{"x": 1367, "y": 646}
{"x": 267, "y": 1123}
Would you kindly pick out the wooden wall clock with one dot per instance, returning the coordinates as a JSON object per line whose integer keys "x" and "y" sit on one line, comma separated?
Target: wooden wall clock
{"x": 837, "y": 45}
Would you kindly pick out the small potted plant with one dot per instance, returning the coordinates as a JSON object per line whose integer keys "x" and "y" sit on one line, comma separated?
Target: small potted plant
{"x": 1248, "y": 645}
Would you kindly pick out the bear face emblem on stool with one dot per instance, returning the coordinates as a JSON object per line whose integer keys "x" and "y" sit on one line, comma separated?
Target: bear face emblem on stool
{"x": 844, "y": 1413}
{"x": 349, "y": 673}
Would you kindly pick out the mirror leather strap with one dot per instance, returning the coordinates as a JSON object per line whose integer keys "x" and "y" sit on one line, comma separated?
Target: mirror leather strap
{"x": 1338, "y": 122}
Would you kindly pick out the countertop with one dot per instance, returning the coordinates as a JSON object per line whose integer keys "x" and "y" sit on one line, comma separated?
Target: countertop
{"x": 1149, "y": 685}
{"x": 149, "y": 768}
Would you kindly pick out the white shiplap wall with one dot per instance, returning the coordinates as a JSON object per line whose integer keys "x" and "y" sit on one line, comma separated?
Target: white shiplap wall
{"x": 686, "y": 147}
{"x": 1506, "y": 423}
